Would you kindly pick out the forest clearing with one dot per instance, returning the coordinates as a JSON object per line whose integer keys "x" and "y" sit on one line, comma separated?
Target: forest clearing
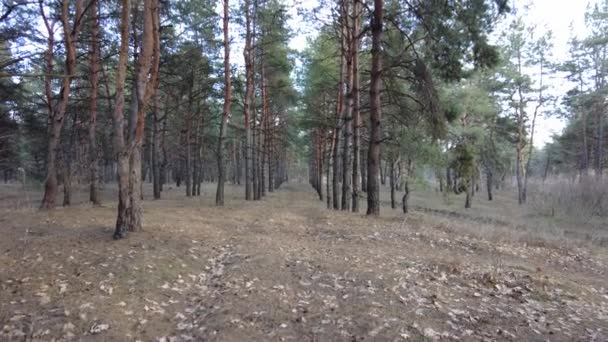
{"x": 287, "y": 269}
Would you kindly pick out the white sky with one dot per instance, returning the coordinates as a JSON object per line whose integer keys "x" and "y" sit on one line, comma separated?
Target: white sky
{"x": 559, "y": 16}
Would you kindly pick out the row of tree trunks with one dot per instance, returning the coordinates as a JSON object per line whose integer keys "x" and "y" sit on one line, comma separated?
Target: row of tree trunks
{"x": 341, "y": 147}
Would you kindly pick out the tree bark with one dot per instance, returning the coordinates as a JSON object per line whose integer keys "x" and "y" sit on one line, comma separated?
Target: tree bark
{"x": 348, "y": 111}
{"x": 339, "y": 117}
{"x": 356, "y": 102}
{"x": 130, "y": 154}
{"x": 221, "y": 168}
{"x": 406, "y": 197}
{"x": 187, "y": 133}
{"x": 393, "y": 183}
{"x": 57, "y": 111}
{"x": 489, "y": 181}
{"x": 249, "y": 88}
{"x": 156, "y": 136}
{"x": 373, "y": 157}
{"x": 118, "y": 121}
{"x": 94, "y": 80}
{"x": 470, "y": 185}
{"x": 148, "y": 63}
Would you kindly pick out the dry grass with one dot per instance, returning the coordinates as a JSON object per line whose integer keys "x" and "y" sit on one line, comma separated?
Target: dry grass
{"x": 577, "y": 219}
{"x": 286, "y": 269}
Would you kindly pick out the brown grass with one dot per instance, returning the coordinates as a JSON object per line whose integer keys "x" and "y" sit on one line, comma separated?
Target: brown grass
{"x": 286, "y": 269}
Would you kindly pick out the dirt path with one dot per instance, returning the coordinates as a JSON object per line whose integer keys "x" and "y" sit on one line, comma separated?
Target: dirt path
{"x": 286, "y": 269}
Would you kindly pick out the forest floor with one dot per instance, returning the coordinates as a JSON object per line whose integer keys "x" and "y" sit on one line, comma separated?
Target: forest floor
{"x": 286, "y": 269}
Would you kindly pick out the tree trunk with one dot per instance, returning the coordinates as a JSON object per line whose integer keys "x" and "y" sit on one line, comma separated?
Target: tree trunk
{"x": 327, "y": 156}
{"x": 263, "y": 136}
{"x": 57, "y": 111}
{"x": 130, "y": 154}
{"x": 156, "y": 134}
{"x": 254, "y": 159}
{"x": 148, "y": 62}
{"x": 356, "y": 104}
{"x": 373, "y": 156}
{"x": 67, "y": 184}
{"x": 469, "y": 193}
{"x": 249, "y": 100}
{"x": 118, "y": 121}
{"x": 94, "y": 80}
{"x": 600, "y": 145}
{"x": 393, "y": 181}
{"x": 221, "y": 168}
{"x": 489, "y": 181}
{"x": 187, "y": 134}
{"x": 363, "y": 166}
{"x": 406, "y": 197}
{"x": 348, "y": 110}
{"x": 336, "y": 144}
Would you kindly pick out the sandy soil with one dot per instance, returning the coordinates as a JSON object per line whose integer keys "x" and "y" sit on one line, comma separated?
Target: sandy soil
{"x": 286, "y": 269}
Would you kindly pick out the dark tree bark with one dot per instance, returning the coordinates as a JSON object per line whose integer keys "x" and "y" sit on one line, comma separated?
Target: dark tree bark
{"x": 221, "y": 168}
{"x": 363, "y": 165}
{"x": 393, "y": 183}
{"x": 156, "y": 138}
{"x": 327, "y": 156}
{"x": 356, "y": 104}
{"x": 406, "y": 197}
{"x": 489, "y": 181}
{"x": 94, "y": 80}
{"x": 373, "y": 156}
{"x": 348, "y": 110}
{"x": 249, "y": 89}
{"x": 188, "y": 134}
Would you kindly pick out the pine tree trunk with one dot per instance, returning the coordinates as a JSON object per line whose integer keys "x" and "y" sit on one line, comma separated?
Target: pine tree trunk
{"x": 94, "y": 80}
{"x": 249, "y": 100}
{"x": 348, "y": 110}
{"x": 356, "y": 105}
{"x": 254, "y": 160}
{"x": 373, "y": 157}
{"x": 327, "y": 156}
{"x": 406, "y": 196}
{"x": 338, "y": 129}
{"x": 57, "y": 112}
{"x": 67, "y": 184}
{"x": 130, "y": 154}
{"x": 393, "y": 184}
{"x": 221, "y": 168}
{"x": 489, "y": 181}
{"x": 469, "y": 193}
{"x": 363, "y": 166}
{"x": 156, "y": 135}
